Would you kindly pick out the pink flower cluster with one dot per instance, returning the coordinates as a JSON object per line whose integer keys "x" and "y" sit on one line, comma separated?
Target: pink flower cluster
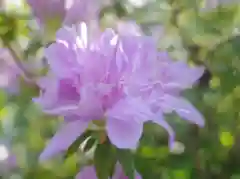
{"x": 121, "y": 79}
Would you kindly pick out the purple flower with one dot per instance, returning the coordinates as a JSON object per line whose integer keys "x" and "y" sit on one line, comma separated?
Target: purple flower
{"x": 121, "y": 79}
{"x": 46, "y": 10}
{"x": 82, "y": 10}
{"x": 66, "y": 11}
{"x": 9, "y": 72}
{"x": 90, "y": 173}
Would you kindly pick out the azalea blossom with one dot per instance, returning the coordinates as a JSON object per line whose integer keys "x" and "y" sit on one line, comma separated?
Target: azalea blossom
{"x": 46, "y": 10}
{"x": 64, "y": 11}
{"x": 119, "y": 78}
{"x": 90, "y": 173}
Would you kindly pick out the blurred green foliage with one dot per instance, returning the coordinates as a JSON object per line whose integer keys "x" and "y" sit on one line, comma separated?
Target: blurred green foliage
{"x": 203, "y": 35}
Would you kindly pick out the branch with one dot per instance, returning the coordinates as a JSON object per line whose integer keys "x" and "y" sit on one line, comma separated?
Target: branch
{"x": 24, "y": 72}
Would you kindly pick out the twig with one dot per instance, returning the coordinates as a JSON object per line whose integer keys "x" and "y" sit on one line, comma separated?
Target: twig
{"x": 24, "y": 72}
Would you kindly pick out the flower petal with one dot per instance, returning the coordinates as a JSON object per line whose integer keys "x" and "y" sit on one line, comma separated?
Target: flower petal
{"x": 79, "y": 11}
{"x": 68, "y": 133}
{"x": 64, "y": 109}
{"x": 129, "y": 28}
{"x": 119, "y": 173}
{"x": 87, "y": 173}
{"x": 160, "y": 121}
{"x": 66, "y": 34}
{"x": 61, "y": 58}
{"x": 60, "y": 96}
{"x": 189, "y": 75}
{"x": 48, "y": 96}
{"x": 138, "y": 176}
{"x": 132, "y": 109}
{"x": 124, "y": 133}
{"x": 184, "y": 109}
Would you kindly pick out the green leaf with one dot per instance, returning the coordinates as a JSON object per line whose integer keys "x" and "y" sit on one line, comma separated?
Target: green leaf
{"x": 89, "y": 144}
{"x": 8, "y": 28}
{"x": 33, "y": 47}
{"x": 75, "y": 145}
{"x": 104, "y": 160}
{"x": 126, "y": 159}
{"x": 226, "y": 139}
{"x": 223, "y": 61}
{"x": 186, "y": 4}
{"x": 209, "y": 28}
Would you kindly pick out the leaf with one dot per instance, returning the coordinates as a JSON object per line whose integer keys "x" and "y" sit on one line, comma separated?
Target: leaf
{"x": 126, "y": 159}
{"x": 221, "y": 18}
{"x": 104, "y": 160}
{"x": 74, "y": 147}
{"x": 209, "y": 28}
{"x": 226, "y": 139}
{"x": 8, "y": 27}
{"x": 223, "y": 61}
{"x": 186, "y": 4}
{"x": 3, "y": 98}
{"x": 33, "y": 46}
{"x": 89, "y": 144}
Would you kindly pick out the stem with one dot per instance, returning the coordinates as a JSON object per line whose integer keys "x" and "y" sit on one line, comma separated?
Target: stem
{"x": 24, "y": 72}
